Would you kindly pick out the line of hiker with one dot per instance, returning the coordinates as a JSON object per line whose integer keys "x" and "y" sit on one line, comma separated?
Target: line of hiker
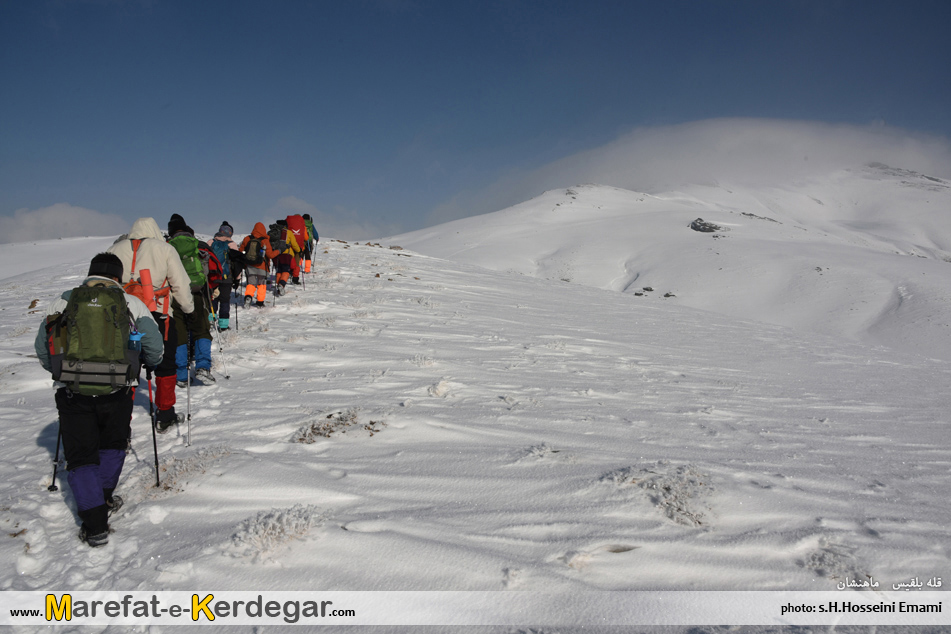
{"x": 287, "y": 245}
{"x": 149, "y": 300}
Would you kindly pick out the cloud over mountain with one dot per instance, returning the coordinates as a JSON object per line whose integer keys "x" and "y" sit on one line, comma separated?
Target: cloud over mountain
{"x": 749, "y": 152}
{"x": 61, "y": 220}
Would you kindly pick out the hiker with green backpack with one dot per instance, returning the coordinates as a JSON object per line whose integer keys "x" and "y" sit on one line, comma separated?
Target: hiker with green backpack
{"x": 194, "y": 330}
{"x": 311, "y": 244}
{"x": 92, "y": 341}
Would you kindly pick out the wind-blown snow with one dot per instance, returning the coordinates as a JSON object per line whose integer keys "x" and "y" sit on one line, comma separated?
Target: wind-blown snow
{"x": 414, "y": 423}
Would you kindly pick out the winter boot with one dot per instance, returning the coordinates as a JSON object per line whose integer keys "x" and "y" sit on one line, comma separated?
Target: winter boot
{"x": 296, "y": 280}
{"x": 100, "y": 539}
{"x": 204, "y": 375}
{"x": 247, "y": 301}
{"x": 259, "y": 304}
{"x": 165, "y": 418}
{"x": 95, "y": 521}
{"x": 223, "y": 323}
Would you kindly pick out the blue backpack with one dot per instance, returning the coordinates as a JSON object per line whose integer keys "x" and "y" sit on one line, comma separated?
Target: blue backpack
{"x": 220, "y": 249}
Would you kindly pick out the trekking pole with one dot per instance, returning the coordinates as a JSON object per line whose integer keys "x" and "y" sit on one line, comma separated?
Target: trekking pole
{"x": 188, "y": 406}
{"x": 214, "y": 313}
{"x": 148, "y": 377}
{"x": 236, "y": 311}
{"x": 211, "y": 303}
{"x": 221, "y": 353}
{"x": 52, "y": 487}
{"x": 188, "y": 391}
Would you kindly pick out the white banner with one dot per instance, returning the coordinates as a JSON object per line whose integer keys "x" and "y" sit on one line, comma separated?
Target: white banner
{"x": 511, "y": 608}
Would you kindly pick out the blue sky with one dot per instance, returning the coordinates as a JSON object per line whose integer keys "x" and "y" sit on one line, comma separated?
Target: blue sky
{"x": 380, "y": 116}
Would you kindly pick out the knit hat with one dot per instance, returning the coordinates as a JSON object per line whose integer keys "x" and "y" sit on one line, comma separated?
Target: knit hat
{"x": 225, "y": 230}
{"x": 306, "y": 216}
{"x": 175, "y": 224}
{"x": 106, "y": 265}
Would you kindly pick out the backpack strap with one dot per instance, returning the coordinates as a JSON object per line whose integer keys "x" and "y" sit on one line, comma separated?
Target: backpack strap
{"x": 135, "y": 249}
{"x": 161, "y": 292}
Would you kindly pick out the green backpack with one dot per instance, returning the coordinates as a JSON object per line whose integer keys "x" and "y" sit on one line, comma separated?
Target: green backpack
{"x": 187, "y": 247}
{"x": 311, "y": 232}
{"x": 90, "y": 341}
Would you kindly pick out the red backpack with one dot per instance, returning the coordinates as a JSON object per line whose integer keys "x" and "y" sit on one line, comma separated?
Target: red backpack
{"x": 298, "y": 226}
{"x": 210, "y": 263}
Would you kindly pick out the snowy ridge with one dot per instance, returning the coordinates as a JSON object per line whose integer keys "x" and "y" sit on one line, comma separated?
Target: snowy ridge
{"x": 496, "y": 431}
{"x": 863, "y": 254}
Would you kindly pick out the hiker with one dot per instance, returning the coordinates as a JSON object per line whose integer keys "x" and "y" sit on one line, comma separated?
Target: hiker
{"x": 145, "y": 254}
{"x": 286, "y": 263}
{"x": 297, "y": 229}
{"x": 93, "y": 340}
{"x": 194, "y": 331}
{"x": 311, "y": 244}
{"x": 258, "y": 252}
{"x": 227, "y": 252}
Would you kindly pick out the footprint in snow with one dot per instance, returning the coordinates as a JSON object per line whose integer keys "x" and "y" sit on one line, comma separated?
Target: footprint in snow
{"x": 582, "y": 559}
{"x": 678, "y": 492}
{"x": 440, "y": 390}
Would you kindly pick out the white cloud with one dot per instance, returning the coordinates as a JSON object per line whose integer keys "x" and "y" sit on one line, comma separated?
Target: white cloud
{"x": 753, "y": 152}
{"x": 61, "y": 220}
{"x": 340, "y": 223}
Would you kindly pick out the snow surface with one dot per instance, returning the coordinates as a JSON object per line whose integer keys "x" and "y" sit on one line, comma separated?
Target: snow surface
{"x": 862, "y": 254}
{"x": 407, "y": 422}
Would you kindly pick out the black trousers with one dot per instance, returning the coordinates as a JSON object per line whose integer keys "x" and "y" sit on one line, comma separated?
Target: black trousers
{"x": 96, "y": 432}
{"x": 222, "y": 303}
{"x": 92, "y": 423}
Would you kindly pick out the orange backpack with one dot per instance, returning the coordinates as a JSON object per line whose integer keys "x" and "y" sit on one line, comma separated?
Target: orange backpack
{"x": 142, "y": 287}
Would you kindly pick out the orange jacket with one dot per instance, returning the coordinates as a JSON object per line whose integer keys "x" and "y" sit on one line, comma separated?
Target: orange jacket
{"x": 260, "y": 231}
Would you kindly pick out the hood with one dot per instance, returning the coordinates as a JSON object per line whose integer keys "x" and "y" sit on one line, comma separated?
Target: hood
{"x": 98, "y": 280}
{"x": 145, "y": 228}
{"x": 259, "y": 231}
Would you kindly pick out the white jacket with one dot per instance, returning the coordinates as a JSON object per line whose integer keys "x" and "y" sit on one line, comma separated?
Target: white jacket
{"x": 160, "y": 258}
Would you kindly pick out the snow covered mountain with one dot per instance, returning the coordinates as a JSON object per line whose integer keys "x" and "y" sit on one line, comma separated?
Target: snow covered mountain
{"x": 863, "y": 254}
{"x": 408, "y": 422}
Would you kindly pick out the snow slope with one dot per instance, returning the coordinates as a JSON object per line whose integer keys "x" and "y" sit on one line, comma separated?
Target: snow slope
{"x": 861, "y": 254}
{"x": 414, "y": 423}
